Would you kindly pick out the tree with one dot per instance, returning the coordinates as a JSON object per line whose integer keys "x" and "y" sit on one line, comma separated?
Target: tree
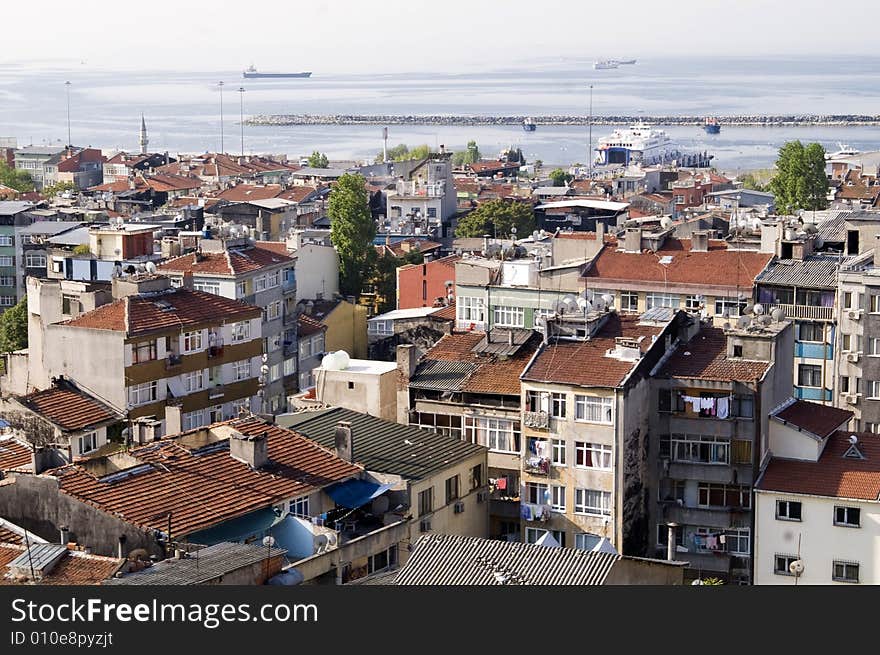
{"x": 318, "y": 160}
{"x": 496, "y": 217}
{"x": 352, "y": 230}
{"x": 13, "y": 327}
{"x": 800, "y": 181}
{"x": 384, "y": 279}
{"x": 419, "y": 152}
{"x": 750, "y": 181}
{"x": 468, "y": 156}
{"x": 59, "y": 187}
{"x": 15, "y": 178}
{"x": 560, "y": 177}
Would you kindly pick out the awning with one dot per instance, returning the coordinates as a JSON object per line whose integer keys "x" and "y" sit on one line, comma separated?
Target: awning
{"x": 256, "y": 524}
{"x": 355, "y": 493}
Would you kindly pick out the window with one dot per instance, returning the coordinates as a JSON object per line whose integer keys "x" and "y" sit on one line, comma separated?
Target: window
{"x": 300, "y": 507}
{"x": 692, "y": 303}
{"x": 848, "y": 300}
{"x": 7, "y": 301}
{"x": 273, "y": 343}
{"x": 194, "y": 381}
{"x": 275, "y": 372}
{"x": 557, "y": 448}
{"x": 539, "y": 315}
{"x": 592, "y": 455}
{"x": 557, "y": 498}
{"x": 699, "y": 449}
{"x": 557, "y": 406}
{"x": 6, "y": 240}
{"x": 88, "y": 442}
{"x": 196, "y": 419}
{"x": 426, "y": 501}
{"x": 305, "y": 380}
{"x": 629, "y": 301}
{"x": 788, "y": 510}
{"x": 145, "y": 351}
{"x": 782, "y": 564}
{"x": 35, "y": 260}
{"x": 742, "y": 451}
{"x": 533, "y": 535}
{"x": 811, "y": 332}
{"x": 273, "y": 279}
{"x": 241, "y": 331}
{"x": 241, "y": 370}
{"x": 432, "y": 212}
{"x": 844, "y": 384}
{"x": 875, "y": 303}
{"x": 872, "y": 427}
{"x": 470, "y": 309}
{"x": 537, "y": 401}
{"x": 874, "y": 345}
{"x": 7, "y": 281}
{"x": 845, "y": 572}
{"x": 140, "y": 394}
{"x": 260, "y": 283}
{"x": 875, "y": 389}
{"x": 70, "y": 304}
{"x": 653, "y": 299}
{"x": 7, "y": 261}
{"x": 192, "y": 341}
{"x": 591, "y": 501}
{"x": 240, "y": 289}
{"x": 273, "y": 310}
{"x": 847, "y": 516}
{"x": 738, "y": 541}
{"x": 500, "y": 435}
{"x": 592, "y": 409}
{"x": 477, "y": 476}
{"x": 509, "y": 317}
{"x": 723, "y": 495}
{"x": 380, "y": 328}
{"x": 732, "y": 306}
{"x": 536, "y": 493}
{"x": 451, "y": 489}
{"x": 809, "y": 375}
{"x": 586, "y": 541}
{"x": 318, "y": 344}
{"x": 207, "y": 287}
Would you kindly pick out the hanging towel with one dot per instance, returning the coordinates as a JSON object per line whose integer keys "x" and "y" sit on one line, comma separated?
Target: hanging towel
{"x": 526, "y": 512}
{"x": 723, "y": 407}
{"x": 712, "y": 542}
{"x": 501, "y": 484}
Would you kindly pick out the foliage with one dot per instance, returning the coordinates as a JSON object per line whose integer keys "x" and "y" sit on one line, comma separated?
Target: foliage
{"x": 82, "y": 249}
{"x": 757, "y": 180}
{"x": 384, "y": 279}
{"x": 318, "y": 160}
{"x": 413, "y": 257}
{"x": 712, "y": 581}
{"x": 468, "y": 156}
{"x": 495, "y": 218}
{"x": 401, "y": 152}
{"x": 351, "y": 230}
{"x": 560, "y": 177}
{"x": 15, "y": 178}
{"x": 13, "y": 327}
{"x": 800, "y": 181}
{"x": 53, "y": 190}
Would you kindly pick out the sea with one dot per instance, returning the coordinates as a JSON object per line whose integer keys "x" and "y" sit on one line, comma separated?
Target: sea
{"x": 182, "y": 108}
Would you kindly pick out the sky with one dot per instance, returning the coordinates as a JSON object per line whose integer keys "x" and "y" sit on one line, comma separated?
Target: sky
{"x": 415, "y": 35}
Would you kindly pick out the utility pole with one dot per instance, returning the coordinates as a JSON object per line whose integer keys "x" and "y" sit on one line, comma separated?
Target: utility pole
{"x": 241, "y": 119}
{"x": 590, "y": 148}
{"x": 220, "y": 84}
{"x": 67, "y": 84}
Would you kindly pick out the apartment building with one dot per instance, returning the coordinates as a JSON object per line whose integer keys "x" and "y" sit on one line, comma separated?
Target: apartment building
{"x": 426, "y": 199}
{"x": 33, "y": 160}
{"x": 709, "y": 424}
{"x": 186, "y": 358}
{"x": 14, "y": 217}
{"x": 427, "y": 284}
{"x": 235, "y": 268}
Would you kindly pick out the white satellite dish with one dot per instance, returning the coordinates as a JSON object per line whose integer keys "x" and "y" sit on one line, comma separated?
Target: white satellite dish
{"x": 778, "y": 314}
{"x": 796, "y": 567}
{"x": 758, "y": 309}
{"x": 853, "y": 439}
{"x": 743, "y": 322}
{"x": 245, "y": 231}
{"x": 582, "y": 304}
{"x": 151, "y": 267}
{"x": 748, "y": 309}
{"x": 608, "y": 298}
{"x": 666, "y": 222}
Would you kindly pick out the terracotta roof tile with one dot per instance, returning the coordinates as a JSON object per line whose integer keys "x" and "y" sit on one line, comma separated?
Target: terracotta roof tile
{"x": 455, "y": 347}
{"x": 75, "y": 568}
{"x": 584, "y": 363}
{"x": 297, "y": 193}
{"x": 446, "y": 313}
{"x": 278, "y": 247}
{"x": 7, "y": 536}
{"x": 833, "y": 475}
{"x": 69, "y": 408}
{"x": 14, "y": 454}
{"x": 501, "y": 375}
{"x": 306, "y": 325}
{"x": 704, "y": 357}
{"x": 231, "y": 262}
{"x": 244, "y": 192}
{"x": 815, "y": 418}
{"x": 207, "y": 486}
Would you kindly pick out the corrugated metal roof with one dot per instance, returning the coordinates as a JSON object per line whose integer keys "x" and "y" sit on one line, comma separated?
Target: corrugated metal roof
{"x": 384, "y": 446}
{"x": 201, "y": 566}
{"x": 38, "y": 557}
{"x": 498, "y": 342}
{"x": 816, "y": 272}
{"x": 441, "y": 374}
{"x": 441, "y": 559}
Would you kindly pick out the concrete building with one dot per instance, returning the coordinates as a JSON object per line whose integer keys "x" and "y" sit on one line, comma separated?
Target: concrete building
{"x": 816, "y": 503}
{"x": 81, "y": 167}
{"x": 426, "y": 199}
{"x": 238, "y": 269}
{"x": 426, "y": 285}
{"x": 33, "y": 159}
{"x": 346, "y": 324}
{"x": 360, "y": 385}
{"x": 709, "y": 409}
{"x": 311, "y": 348}
{"x": 14, "y": 217}
{"x": 317, "y": 265}
{"x": 95, "y": 253}
{"x": 186, "y": 358}
{"x": 35, "y": 245}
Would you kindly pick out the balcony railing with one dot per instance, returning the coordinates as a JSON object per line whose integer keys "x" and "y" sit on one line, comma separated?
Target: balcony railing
{"x": 534, "y": 512}
{"x": 537, "y": 465}
{"x": 805, "y": 312}
{"x": 536, "y": 420}
{"x": 216, "y": 391}
{"x": 215, "y": 351}
{"x": 173, "y": 360}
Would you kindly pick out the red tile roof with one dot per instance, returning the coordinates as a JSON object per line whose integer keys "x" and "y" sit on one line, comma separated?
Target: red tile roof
{"x": 297, "y": 193}
{"x": 14, "y": 455}
{"x": 7, "y": 536}
{"x": 584, "y": 363}
{"x": 278, "y": 247}
{"x": 142, "y": 315}
{"x": 244, "y": 192}
{"x": 501, "y": 375}
{"x": 487, "y": 166}
{"x": 815, "y": 418}
{"x": 446, "y": 313}
{"x": 455, "y": 347}
{"x": 833, "y": 475}
{"x": 75, "y": 568}
{"x": 718, "y": 267}
{"x": 69, "y": 408}
{"x": 231, "y": 262}
{"x": 704, "y": 357}
{"x": 204, "y": 487}
{"x": 306, "y": 325}
{"x": 160, "y": 183}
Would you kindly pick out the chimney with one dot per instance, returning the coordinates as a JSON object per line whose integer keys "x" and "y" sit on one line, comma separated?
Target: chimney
{"x": 41, "y": 459}
{"x": 670, "y": 541}
{"x": 344, "y": 445}
{"x": 250, "y": 449}
{"x": 700, "y": 241}
{"x": 188, "y": 280}
{"x": 65, "y": 535}
{"x": 600, "y": 232}
{"x": 632, "y": 240}
{"x": 510, "y": 337}
{"x": 121, "y": 547}
{"x": 173, "y": 419}
{"x": 406, "y": 360}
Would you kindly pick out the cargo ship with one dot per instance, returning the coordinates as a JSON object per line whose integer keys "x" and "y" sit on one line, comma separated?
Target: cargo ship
{"x": 251, "y": 72}
{"x": 712, "y": 126}
{"x": 529, "y": 125}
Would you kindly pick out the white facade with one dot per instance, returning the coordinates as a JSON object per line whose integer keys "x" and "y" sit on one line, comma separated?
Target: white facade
{"x": 317, "y": 272}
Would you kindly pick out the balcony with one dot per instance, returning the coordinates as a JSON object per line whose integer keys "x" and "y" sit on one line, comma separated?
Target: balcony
{"x": 538, "y": 420}
{"x": 217, "y": 391}
{"x": 173, "y": 361}
{"x": 724, "y": 518}
{"x": 535, "y": 512}
{"x": 537, "y": 465}
{"x": 805, "y": 312}
{"x": 215, "y": 351}
{"x": 813, "y": 350}
{"x": 812, "y": 393}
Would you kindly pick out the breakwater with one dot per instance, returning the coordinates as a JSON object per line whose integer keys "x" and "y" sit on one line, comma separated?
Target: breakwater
{"x": 793, "y": 120}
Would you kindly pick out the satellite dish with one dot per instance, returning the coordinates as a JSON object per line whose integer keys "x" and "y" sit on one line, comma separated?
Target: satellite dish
{"x": 748, "y": 309}
{"x": 608, "y": 299}
{"x": 743, "y": 322}
{"x": 665, "y": 222}
{"x": 582, "y": 304}
{"x": 853, "y": 439}
{"x": 141, "y": 268}
{"x": 268, "y": 541}
{"x": 765, "y": 320}
{"x": 245, "y": 231}
{"x": 264, "y": 369}
{"x": 569, "y": 301}
{"x": 778, "y": 314}
{"x": 796, "y": 567}
{"x": 151, "y": 267}
{"x": 758, "y": 309}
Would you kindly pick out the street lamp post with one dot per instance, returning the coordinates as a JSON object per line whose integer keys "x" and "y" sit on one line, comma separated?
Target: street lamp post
{"x": 590, "y": 148}
{"x": 241, "y": 119}
{"x": 220, "y": 84}
{"x": 67, "y": 84}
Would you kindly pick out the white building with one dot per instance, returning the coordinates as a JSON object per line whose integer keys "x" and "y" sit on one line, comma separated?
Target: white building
{"x": 817, "y": 502}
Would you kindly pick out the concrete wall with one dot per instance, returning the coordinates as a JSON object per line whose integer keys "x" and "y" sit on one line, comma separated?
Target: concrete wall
{"x": 636, "y": 571}
{"x": 373, "y": 393}
{"x": 347, "y": 330}
{"x": 789, "y": 442}
{"x": 317, "y": 272}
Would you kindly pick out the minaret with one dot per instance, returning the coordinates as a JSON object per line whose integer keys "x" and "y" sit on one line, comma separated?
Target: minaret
{"x": 143, "y": 140}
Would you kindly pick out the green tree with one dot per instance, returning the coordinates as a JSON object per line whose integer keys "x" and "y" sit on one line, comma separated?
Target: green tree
{"x": 398, "y": 152}
{"x": 318, "y": 160}
{"x": 352, "y": 229}
{"x": 496, "y": 217}
{"x": 13, "y": 327}
{"x": 800, "y": 181}
{"x": 419, "y": 152}
{"x": 15, "y": 178}
{"x": 467, "y": 156}
{"x": 59, "y": 187}
{"x": 384, "y": 279}
{"x": 560, "y": 177}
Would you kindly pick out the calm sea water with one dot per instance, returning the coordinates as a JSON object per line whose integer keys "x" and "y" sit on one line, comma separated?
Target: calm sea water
{"x": 182, "y": 108}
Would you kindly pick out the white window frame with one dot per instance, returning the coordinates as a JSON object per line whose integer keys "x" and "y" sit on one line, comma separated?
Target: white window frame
{"x": 191, "y": 342}
{"x": 847, "y": 510}
{"x": 381, "y": 328}
{"x": 7, "y": 260}
{"x": 875, "y": 389}
{"x": 260, "y": 283}
{"x": 273, "y": 310}
{"x": 557, "y": 450}
{"x": 738, "y": 541}
{"x": 136, "y": 393}
{"x": 89, "y": 439}
{"x": 6, "y": 240}
{"x": 207, "y": 286}
{"x": 657, "y": 299}
{"x": 7, "y": 280}
{"x": 31, "y": 257}
{"x": 537, "y": 493}
{"x": 731, "y": 305}
{"x": 241, "y": 370}
{"x": 470, "y": 309}
{"x": 300, "y": 507}
{"x": 505, "y": 316}
{"x": 585, "y": 502}
{"x": 558, "y": 404}
{"x": 594, "y": 409}
{"x": 629, "y": 301}
{"x": 241, "y": 331}
{"x": 7, "y": 301}
{"x": 580, "y": 537}
{"x": 290, "y": 366}
{"x": 273, "y": 279}
{"x": 783, "y": 510}
{"x": 194, "y": 381}
{"x": 499, "y": 435}
{"x": 241, "y": 289}
{"x": 845, "y": 566}
{"x": 600, "y": 453}
{"x": 557, "y": 498}
{"x": 689, "y": 448}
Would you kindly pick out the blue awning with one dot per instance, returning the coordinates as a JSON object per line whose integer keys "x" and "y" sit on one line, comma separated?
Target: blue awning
{"x": 355, "y": 493}
{"x": 253, "y": 525}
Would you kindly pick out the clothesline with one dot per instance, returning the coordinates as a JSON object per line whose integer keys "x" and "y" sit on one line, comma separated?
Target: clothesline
{"x": 713, "y": 406}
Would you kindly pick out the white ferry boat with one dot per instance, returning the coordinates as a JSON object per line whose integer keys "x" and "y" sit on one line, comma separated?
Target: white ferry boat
{"x": 639, "y": 143}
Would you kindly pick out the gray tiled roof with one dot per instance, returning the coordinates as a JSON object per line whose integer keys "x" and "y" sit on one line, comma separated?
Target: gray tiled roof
{"x": 443, "y": 375}
{"x": 817, "y": 272}
{"x": 384, "y": 446}
{"x": 441, "y": 559}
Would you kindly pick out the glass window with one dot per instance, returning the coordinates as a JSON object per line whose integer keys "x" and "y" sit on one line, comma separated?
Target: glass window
{"x": 593, "y": 409}
{"x": 470, "y": 309}
{"x": 6, "y": 260}
{"x": 875, "y": 388}
{"x": 845, "y": 572}
{"x": 811, "y": 332}
{"x": 788, "y": 510}
{"x": 592, "y": 455}
{"x": 194, "y": 381}
{"x": 241, "y": 289}
{"x": 557, "y": 405}
{"x": 87, "y": 442}
{"x": 653, "y": 299}
{"x": 499, "y": 435}
{"x": 700, "y": 449}
{"x": 731, "y": 306}
{"x": 145, "y": 351}
{"x": 557, "y": 498}
{"x": 692, "y": 303}
{"x": 451, "y": 489}
{"x": 273, "y": 279}
{"x": 738, "y": 541}
{"x": 273, "y": 310}
{"x": 260, "y": 283}
{"x": 847, "y": 516}
{"x": 241, "y": 370}
{"x": 874, "y": 345}
{"x": 241, "y": 331}
{"x": 300, "y": 507}
{"x": 592, "y": 501}
{"x": 536, "y": 493}
{"x": 192, "y": 341}
{"x": 509, "y": 316}
{"x": 629, "y": 301}
{"x": 426, "y": 501}
{"x": 207, "y": 286}
{"x": 141, "y": 394}
{"x": 35, "y": 260}
{"x": 809, "y": 375}
{"x": 557, "y": 447}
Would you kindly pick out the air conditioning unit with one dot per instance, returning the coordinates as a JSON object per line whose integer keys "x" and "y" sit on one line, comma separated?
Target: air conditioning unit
{"x": 854, "y": 314}
{"x": 458, "y": 508}
{"x": 853, "y": 357}
{"x": 482, "y": 496}
{"x": 425, "y": 525}
{"x": 852, "y": 398}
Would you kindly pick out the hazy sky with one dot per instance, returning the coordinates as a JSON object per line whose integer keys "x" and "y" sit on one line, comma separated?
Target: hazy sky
{"x": 418, "y": 35}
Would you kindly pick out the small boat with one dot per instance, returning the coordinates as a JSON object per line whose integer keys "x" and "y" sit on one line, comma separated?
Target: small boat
{"x": 625, "y": 61}
{"x": 712, "y": 126}
{"x": 605, "y": 64}
{"x": 843, "y": 151}
{"x": 529, "y": 125}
